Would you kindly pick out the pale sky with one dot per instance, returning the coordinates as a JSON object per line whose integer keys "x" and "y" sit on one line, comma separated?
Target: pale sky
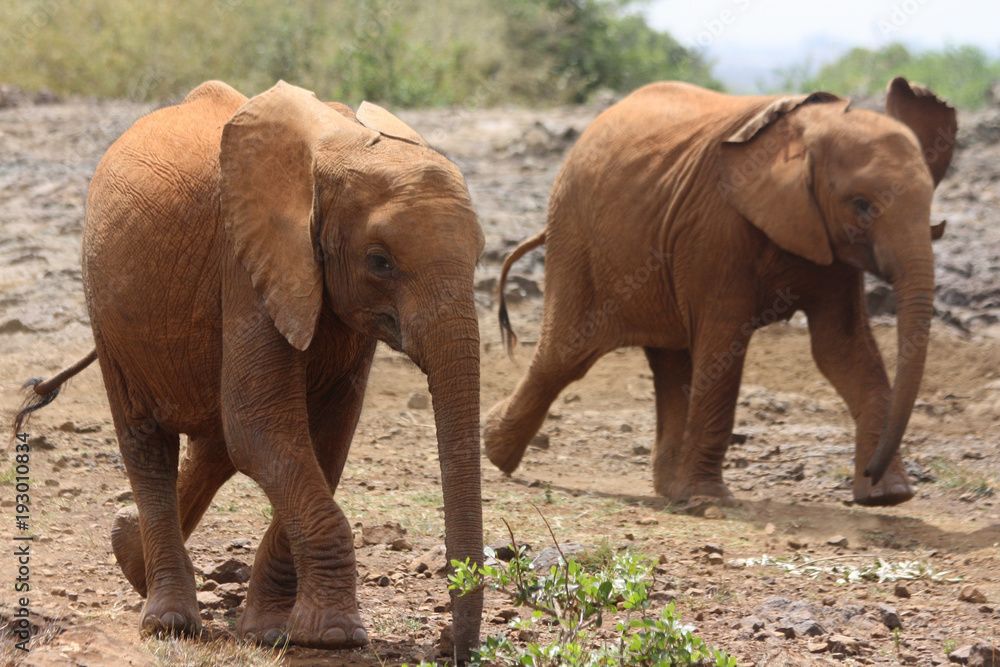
{"x": 745, "y": 36}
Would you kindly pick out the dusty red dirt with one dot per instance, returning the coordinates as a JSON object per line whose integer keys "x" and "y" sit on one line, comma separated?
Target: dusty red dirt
{"x": 791, "y": 475}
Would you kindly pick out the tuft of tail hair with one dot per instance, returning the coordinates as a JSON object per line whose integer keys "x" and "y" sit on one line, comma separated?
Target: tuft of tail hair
{"x": 42, "y": 392}
{"x": 507, "y": 334}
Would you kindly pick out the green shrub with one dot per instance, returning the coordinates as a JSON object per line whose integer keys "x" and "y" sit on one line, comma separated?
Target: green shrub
{"x": 962, "y": 75}
{"x": 572, "y": 599}
{"x": 401, "y": 52}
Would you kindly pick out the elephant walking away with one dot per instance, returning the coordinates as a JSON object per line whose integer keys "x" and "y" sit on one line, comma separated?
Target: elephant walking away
{"x": 684, "y": 219}
{"x": 240, "y": 259}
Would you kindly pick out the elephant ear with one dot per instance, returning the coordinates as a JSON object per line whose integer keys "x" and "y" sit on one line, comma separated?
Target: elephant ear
{"x": 268, "y": 194}
{"x": 765, "y": 174}
{"x": 376, "y": 118}
{"x": 931, "y": 119}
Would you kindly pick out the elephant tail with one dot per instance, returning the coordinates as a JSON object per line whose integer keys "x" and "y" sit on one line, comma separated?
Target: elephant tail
{"x": 45, "y": 391}
{"x": 506, "y": 331}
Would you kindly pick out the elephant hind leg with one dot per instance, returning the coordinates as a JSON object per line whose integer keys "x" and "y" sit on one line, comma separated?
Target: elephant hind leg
{"x": 671, "y": 372}
{"x": 203, "y": 470}
{"x": 512, "y": 423}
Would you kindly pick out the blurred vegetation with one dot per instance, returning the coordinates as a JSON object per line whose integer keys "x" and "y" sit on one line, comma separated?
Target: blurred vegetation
{"x": 402, "y": 52}
{"x": 962, "y": 75}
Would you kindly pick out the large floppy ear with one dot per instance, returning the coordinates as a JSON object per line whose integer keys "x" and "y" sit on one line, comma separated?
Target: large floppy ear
{"x": 268, "y": 194}
{"x": 931, "y": 119}
{"x": 765, "y": 174}
{"x": 376, "y": 118}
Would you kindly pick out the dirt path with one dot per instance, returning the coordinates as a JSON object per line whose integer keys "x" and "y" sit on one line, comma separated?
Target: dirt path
{"x": 593, "y": 483}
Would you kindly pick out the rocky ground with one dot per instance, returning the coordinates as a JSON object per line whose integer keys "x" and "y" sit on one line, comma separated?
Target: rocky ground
{"x": 785, "y": 578}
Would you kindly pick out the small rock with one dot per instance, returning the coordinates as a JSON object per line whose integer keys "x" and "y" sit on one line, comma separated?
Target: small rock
{"x": 714, "y": 512}
{"x": 434, "y": 561}
{"x": 503, "y": 550}
{"x": 843, "y": 644}
{"x": 550, "y": 556}
{"x": 208, "y": 585}
{"x": 571, "y": 398}
{"x": 418, "y": 401}
{"x": 648, "y": 521}
{"x": 229, "y": 572}
{"x": 979, "y": 654}
{"x": 816, "y": 647}
{"x": 125, "y": 497}
{"x": 975, "y": 456}
{"x": 837, "y": 541}
{"x": 540, "y": 441}
{"x": 641, "y": 450}
{"x": 737, "y": 439}
{"x": 769, "y": 529}
{"x": 711, "y": 548}
{"x": 796, "y": 544}
{"x": 714, "y": 559}
{"x": 69, "y": 427}
{"x": 625, "y": 428}
{"x": 808, "y": 628}
{"x": 384, "y": 581}
{"x": 900, "y": 590}
{"x": 704, "y": 506}
{"x": 41, "y": 443}
{"x": 970, "y": 593}
{"x": 387, "y": 533}
{"x": 401, "y": 544}
{"x": 889, "y": 616}
{"x": 239, "y": 543}
{"x": 209, "y": 600}
{"x": 908, "y": 658}
{"x": 232, "y": 594}
{"x": 752, "y": 623}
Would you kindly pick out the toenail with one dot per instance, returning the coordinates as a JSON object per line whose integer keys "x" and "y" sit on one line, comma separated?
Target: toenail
{"x": 335, "y": 636}
{"x": 360, "y": 636}
{"x": 275, "y": 637}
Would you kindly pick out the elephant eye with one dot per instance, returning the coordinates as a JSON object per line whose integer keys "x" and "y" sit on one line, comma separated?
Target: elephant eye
{"x": 862, "y": 206}
{"x": 379, "y": 262}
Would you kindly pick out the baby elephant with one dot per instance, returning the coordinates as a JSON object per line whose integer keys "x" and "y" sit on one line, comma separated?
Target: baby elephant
{"x": 241, "y": 258}
{"x": 684, "y": 219}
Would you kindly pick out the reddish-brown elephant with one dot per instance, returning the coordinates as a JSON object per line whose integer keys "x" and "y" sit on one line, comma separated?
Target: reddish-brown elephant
{"x": 240, "y": 260}
{"x": 684, "y": 219}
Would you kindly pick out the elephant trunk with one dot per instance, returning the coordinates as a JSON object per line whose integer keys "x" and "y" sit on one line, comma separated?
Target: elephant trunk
{"x": 450, "y": 357}
{"x": 914, "y": 291}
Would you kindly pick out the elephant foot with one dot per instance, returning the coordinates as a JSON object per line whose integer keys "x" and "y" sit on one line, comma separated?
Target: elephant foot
{"x": 319, "y": 626}
{"x": 266, "y": 625}
{"x": 126, "y": 542}
{"x": 683, "y": 490}
{"x": 502, "y": 453}
{"x": 168, "y": 616}
{"x": 894, "y": 487}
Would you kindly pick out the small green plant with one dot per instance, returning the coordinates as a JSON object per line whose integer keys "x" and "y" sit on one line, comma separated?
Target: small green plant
{"x": 972, "y": 485}
{"x": 570, "y": 601}
{"x": 948, "y": 645}
{"x": 548, "y": 493}
{"x": 897, "y": 638}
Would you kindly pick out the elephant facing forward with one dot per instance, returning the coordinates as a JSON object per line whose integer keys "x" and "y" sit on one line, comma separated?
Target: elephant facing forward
{"x": 684, "y": 219}
{"x": 240, "y": 260}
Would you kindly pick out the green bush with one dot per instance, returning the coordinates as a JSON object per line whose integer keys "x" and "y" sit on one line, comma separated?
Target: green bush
{"x": 573, "y": 598}
{"x": 962, "y": 75}
{"x": 401, "y": 52}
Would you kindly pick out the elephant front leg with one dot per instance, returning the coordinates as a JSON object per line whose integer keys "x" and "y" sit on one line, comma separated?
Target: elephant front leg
{"x": 691, "y": 465}
{"x": 846, "y": 353}
{"x": 273, "y": 584}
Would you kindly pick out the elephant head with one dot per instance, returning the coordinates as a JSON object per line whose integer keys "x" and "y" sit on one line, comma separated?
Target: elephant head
{"x": 326, "y": 209}
{"x": 827, "y": 183}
